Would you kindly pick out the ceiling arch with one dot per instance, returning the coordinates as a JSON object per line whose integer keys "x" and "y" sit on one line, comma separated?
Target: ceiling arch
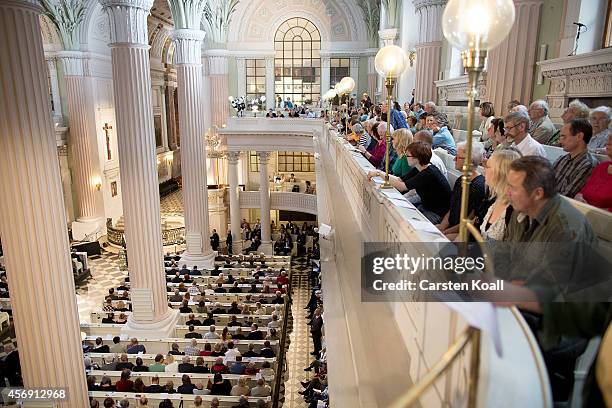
{"x": 258, "y": 20}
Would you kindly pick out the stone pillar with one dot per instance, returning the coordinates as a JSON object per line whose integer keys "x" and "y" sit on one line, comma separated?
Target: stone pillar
{"x": 55, "y": 93}
{"x": 510, "y": 65}
{"x": 241, "y": 77}
{"x": 138, "y": 165}
{"x": 234, "y": 196}
{"x": 354, "y": 73}
{"x": 264, "y": 203}
{"x": 428, "y": 48}
{"x": 32, "y": 218}
{"x": 372, "y": 78}
{"x": 188, "y": 61}
{"x": 325, "y": 74}
{"x": 84, "y": 145}
{"x": 170, "y": 90}
{"x": 270, "y": 91}
{"x": 217, "y": 65}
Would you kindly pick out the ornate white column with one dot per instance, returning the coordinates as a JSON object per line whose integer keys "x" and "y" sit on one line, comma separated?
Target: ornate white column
{"x": 218, "y": 70}
{"x": 188, "y": 61}
{"x": 84, "y": 145}
{"x": 270, "y": 92}
{"x": 428, "y": 48}
{"x": 325, "y": 74}
{"x": 518, "y": 51}
{"x": 241, "y": 77}
{"x": 32, "y": 218}
{"x": 264, "y": 202}
{"x": 234, "y": 194}
{"x": 137, "y": 162}
{"x": 372, "y": 78}
{"x": 354, "y": 73}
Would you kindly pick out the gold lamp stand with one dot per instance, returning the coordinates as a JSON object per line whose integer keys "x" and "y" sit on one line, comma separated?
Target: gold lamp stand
{"x": 473, "y": 61}
{"x": 389, "y": 84}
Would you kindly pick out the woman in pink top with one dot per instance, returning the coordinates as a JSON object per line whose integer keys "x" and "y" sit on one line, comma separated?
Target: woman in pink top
{"x": 598, "y": 189}
{"x": 377, "y": 155}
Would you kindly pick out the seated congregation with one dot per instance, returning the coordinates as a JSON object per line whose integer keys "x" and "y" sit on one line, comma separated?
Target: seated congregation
{"x": 531, "y": 182}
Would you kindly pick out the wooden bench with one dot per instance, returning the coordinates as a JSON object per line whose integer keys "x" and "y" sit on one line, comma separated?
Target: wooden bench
{"x": 106, "y": 358}
{"x": 186, "y": 399}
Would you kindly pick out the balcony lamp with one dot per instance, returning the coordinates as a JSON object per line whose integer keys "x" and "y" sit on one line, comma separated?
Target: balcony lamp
{"x": 390, "y": 62}
{"x": 474, "y": 27}
{"x": 347, "y": 84}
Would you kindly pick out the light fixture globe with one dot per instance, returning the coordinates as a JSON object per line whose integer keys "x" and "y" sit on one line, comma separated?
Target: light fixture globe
{"x": 339, "y": 88}
{"x": 477, "y": 24}
{"x": 349, "y": 84}
{"x": 390, "y": 61}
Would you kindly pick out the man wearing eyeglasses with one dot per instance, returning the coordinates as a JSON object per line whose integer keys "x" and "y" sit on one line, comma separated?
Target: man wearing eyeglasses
{"x": 516, "y": 127}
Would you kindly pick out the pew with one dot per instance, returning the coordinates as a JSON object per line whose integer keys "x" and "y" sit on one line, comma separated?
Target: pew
{"x": 185, "y": 399}
{"x": 220, "y": 319}
{"x": 106, "y": 329}
{"x": 162, "y": 346}
{"x": 176, "y": 377}
{"x": 105, "y": 358}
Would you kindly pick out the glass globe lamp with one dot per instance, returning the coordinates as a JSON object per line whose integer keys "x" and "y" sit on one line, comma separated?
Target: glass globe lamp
{"x": 390, "y": 61}
{"x": 349, "y": 84}
{"x": 477, "y": 24}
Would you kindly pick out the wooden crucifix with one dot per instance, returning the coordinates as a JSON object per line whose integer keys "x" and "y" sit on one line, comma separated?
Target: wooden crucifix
{"x": 106, "y": 129}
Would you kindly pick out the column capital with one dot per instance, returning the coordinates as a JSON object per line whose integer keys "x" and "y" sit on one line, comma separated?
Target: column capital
{"x": 354, "y": 61}
{"x": 419, "y": 4}
{"x": 187, "y": 14}
{"x": 264, "y": 157}
{"x": 388, "y": 35}
{"x": 269, "y": 62}
{"x": 233, "y": 157}
{"x": 326, "y": 62}
{"x": 188, "y": 46}
{"x": 128, "y": 20}
{"x": 76, "y": 63}
{"x": 217, "y": 64}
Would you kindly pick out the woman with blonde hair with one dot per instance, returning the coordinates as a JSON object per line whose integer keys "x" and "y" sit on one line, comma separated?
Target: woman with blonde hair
{"x": 171, "y": 365}
{"x": 401, "y": 138}
{"x": 494, "y": 222}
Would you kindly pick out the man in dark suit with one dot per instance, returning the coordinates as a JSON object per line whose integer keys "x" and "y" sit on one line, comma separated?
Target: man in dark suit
{"x": 220, "y": 288}
{"x": 193, "y": 321}
{"x": 12, "y": 366}
{"x": 185, "y": 366}
{"x": 193, "y": 334}
{"x": 100, "y": 348}
{"x": 228, "y": 242}
{"x": 177, "y": 278}
{"x": 154, "y": 387}
{"x": 267, "y": 351}
{"x": 316, "y": 328}
{"x": 214, "y": 240}
{"x": 209, "y": 321}
{"x": 254, "y": 334}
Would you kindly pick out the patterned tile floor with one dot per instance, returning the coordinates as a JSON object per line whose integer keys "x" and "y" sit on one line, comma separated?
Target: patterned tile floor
{"x": 298, "y": 356}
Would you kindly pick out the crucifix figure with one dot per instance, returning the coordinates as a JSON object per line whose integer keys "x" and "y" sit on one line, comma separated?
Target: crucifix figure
{"x": 106, "y": 128}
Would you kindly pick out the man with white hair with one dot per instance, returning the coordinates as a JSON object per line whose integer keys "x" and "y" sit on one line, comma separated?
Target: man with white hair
{"x": 430, "y": 107}
{"x": 575, "y": 110}
{"x": 450, "y": 223}
{"x": 541, "y": 127}
{"x": 600, "y": 120}
{"x": 517, "y": 129}
{"x": 518, "y": 108}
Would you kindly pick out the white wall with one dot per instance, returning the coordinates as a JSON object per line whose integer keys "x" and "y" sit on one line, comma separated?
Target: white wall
{"x": 593, "y": 15}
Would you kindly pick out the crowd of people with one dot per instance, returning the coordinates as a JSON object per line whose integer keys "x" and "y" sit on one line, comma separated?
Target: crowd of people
{"x": 517, "y": 196}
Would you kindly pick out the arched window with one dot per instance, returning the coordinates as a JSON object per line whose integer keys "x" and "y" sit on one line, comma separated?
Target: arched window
{"x": 297, "y": 64}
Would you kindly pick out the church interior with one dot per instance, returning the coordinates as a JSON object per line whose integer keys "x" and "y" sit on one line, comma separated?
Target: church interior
{"x": 305, "y": 203}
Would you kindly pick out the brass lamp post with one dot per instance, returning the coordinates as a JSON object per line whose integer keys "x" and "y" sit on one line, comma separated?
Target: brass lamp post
{"x": 474, "y": 27}
{"x": 390, "y": 62}
{"x": 347, "y": 84}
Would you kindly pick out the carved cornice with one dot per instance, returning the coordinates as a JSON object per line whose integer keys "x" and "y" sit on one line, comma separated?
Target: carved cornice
{"x": 455, "y": 89}
{"x": 419, "y": 4}
{"x": 75, "y": 63}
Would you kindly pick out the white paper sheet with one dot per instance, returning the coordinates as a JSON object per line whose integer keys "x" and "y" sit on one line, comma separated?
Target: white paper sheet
{"x": 425, "y": 226}
{"x": 402, "y": 203}
{"x": 481, "y": 315}
{"x": 392, "y": 193}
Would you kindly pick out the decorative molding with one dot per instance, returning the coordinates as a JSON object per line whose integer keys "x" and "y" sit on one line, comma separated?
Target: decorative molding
{"x": 188, "y": 46}
{"x": 370, "y": 11}
{"x": 279, "y": 200}
{"x": 455, "y": 89}
{"x": 264, "y": 157}
{"x": 218, "y": 16}
{"x": 233, "y": 157}
{"x": 128, "y": 20}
